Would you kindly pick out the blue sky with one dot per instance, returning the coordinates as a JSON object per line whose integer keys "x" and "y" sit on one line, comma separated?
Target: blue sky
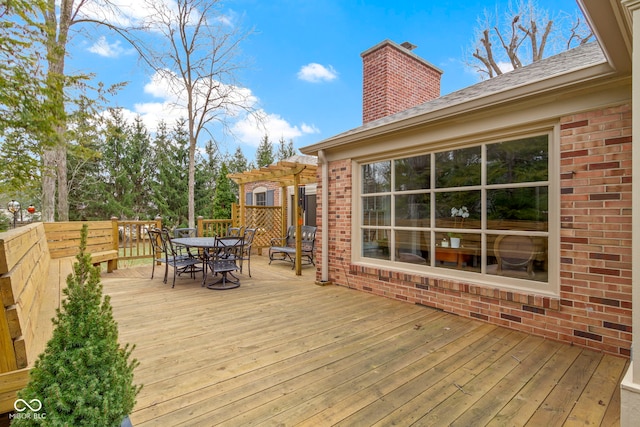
{"x": 304, "y": 68}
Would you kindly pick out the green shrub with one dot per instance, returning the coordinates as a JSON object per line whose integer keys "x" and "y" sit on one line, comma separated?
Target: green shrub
{"x": 84, "y": 377}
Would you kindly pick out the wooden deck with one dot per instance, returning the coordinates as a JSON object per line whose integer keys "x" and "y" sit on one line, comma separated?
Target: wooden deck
{"x": 280, "y": 350}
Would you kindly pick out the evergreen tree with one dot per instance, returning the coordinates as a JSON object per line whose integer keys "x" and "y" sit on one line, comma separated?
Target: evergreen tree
{"x": 137, "y": 166}
{"x": 83, "y": 167}
{"x": 83, "y": 377}
{"x": 170, "y": 186}
{"x": 117, "y": 187}
{"x": 159, "y": 176}
{"x": 286, "y": 150}
{"x": 207, "y": 169}
{"x": 239, "y": 163}
{"x": 264, "y": 153}
{"x": 224, "y": 196}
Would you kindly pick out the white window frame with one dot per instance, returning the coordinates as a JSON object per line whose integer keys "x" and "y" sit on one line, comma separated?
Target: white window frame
{"x": 262, "y": 191}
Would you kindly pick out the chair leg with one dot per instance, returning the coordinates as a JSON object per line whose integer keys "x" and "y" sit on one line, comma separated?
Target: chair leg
{"x": 173, "y": 285}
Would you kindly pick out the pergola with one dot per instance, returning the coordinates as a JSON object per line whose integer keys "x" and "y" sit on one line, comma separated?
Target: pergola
{"x": 286, "y": 173}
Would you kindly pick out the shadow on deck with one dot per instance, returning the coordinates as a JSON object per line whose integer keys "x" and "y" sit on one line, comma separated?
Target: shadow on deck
{"x": 280, "y": 350}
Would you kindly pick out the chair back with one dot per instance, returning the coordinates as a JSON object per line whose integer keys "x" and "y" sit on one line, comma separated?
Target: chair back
{"x": 514, "y": 251}
{"x": 249, "y": 234}
{"x": 229, "y": 247}
{"x": 226, "y": 254}
{"x": 157, "y": 243}
{"x": 234, "y": 231}
{"x": 168, "y": 244}
{"x": 185, "y": 232}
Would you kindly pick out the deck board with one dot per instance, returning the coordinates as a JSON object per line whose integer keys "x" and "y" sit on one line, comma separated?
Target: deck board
{"x": 279, "y": 350}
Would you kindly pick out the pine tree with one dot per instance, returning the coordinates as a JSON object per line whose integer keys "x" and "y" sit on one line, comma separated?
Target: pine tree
{"x": 238, "y": 163}
{"x": 170, "y": 185}
{"x": 285, "y": 150}
{"x": 83, "y": 377}
{"x": 117, "y": 189}
{"x": 224, "y": 197}
{"x": 207, "y": 167}
{"x": 264, "y": 153}
{"x": 137, "y": 167}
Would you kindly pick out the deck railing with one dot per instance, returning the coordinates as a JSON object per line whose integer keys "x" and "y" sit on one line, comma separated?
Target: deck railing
{"x": 133, "y": 238}
{"x": 213, "y": 227}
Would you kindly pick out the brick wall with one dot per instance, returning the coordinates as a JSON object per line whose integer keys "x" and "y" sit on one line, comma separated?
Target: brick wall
{"x": 596, "y": 228}
{"x": 394, "y": 79}
{"x": 594, "y": 306}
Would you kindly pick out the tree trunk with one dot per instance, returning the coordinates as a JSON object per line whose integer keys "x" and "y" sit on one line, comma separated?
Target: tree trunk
{"x": 48, "y": 185}
{"x": 192, "y": 181}
{"x": 63, "y": 187}
{"x": 54, "y": 160}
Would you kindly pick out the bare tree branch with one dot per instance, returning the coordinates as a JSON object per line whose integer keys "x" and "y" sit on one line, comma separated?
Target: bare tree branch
{"x": 197, "y": 59}
{"x": 521, "y": 39}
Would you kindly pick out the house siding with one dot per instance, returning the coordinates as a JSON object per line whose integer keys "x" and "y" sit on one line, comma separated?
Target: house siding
{"x": 593, "y": 308}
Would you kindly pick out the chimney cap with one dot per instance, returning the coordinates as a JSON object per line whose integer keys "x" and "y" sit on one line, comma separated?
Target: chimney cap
{"x": 409, "y": 46}
{"x": 402, "y": 49}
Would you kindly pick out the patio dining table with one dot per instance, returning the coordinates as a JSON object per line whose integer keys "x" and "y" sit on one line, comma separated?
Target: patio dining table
{"x": 207, "y": 244}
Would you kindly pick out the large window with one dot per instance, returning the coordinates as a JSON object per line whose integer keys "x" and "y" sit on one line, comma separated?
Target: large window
{"x": 482, "y": 209}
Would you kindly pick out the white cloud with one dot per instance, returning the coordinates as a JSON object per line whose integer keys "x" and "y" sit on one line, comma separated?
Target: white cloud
{"x": 309, "y": 128}
{"x": 171, "y": 102}
{"x": 316, "y": 73}
{"x": 251, "y": 131}
{"x": 124, "y": 15}
{"x": 152, "y": 15}
{"x": 109, "y": 50}
{"x": 505, "y": 66}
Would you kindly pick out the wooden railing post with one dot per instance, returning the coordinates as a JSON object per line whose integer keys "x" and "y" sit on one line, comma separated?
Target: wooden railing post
{"x": 242, "y": 219}
{"x": 116, "y": 234}
{"x": 200, "y": 227}
{"x": 112, "y": 264}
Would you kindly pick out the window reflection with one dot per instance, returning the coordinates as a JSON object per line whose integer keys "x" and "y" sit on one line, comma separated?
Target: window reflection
{"x": 376, "y": 177}
{"x": 458, "y": 168}
{"x": 413, "y": 173}
{"x": 375, "y": 244}
{"x": 522, "y": 208}
{"x": 376, "y": 210}
{"x": 523, "y": 160}
{"x": 412, "y": 210}
{"x": 412, "y": 246}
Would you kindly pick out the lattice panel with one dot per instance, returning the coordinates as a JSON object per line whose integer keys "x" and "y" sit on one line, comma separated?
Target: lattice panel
{"x": 267, "y": 220}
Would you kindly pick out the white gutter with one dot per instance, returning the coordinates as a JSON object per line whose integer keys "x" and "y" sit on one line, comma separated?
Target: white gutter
{"x": 324, "y": 217}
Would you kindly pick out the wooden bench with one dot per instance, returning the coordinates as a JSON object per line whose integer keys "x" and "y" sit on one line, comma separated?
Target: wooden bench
{"x": 63, "y": 239}
{"x": 31, "y": 285}
{"x": 284, "y": 248}
{"x": 35, "y": 261}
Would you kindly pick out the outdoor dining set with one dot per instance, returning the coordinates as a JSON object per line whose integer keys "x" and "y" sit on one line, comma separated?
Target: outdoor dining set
{"x": 218, "y": 256}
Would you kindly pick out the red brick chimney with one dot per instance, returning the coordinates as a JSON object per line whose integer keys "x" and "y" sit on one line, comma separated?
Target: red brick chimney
{"x": 395, "y": 79}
